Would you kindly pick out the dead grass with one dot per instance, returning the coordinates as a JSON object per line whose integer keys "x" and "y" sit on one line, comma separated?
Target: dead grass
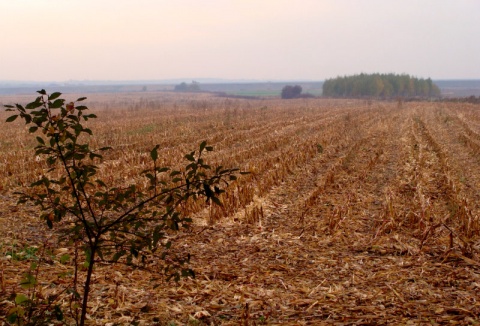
{"x": 381, "y": 227}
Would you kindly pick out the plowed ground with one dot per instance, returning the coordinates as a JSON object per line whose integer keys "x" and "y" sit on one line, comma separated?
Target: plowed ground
{"x": 354, "y": 213}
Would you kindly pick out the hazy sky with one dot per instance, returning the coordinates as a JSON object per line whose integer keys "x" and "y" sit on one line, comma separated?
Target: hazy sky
{"x": 45, "y": 40}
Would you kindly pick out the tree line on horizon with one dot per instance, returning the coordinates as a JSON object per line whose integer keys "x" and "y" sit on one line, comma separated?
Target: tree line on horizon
{"x": 380, "y": 85}
{"x": 184, "y": 87}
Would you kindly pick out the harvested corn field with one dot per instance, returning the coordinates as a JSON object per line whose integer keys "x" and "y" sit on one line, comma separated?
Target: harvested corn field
{"x": 354, "y": 212}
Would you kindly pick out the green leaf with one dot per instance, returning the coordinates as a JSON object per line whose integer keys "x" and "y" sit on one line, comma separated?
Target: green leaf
{"x": 74, "y": 293}
{"x": 32, "y": 129}
{"x": 57, "y": 104}
{"x": 202, "y": 145}
{"x": 100, "y": 253}
{"x": 58, "y": 312}
{"x": 189, "y": 272}
{"x": 81, "y": 99}
{"x": 119, "y": 254}
{"x": 40, "y": 140}
{"x": 134, "y": 251}
{"x": 21, "y": 298}
{"x": 64, "y": 258}
{"x": 33, "y": 105}
{"x": 12, "y": 118}
{"x": 101, "y": 183}
{"x": 28, "y": 281}
{"x": 27, "y": 117}
{"x": 208, "y": 190}
{"x": 12, "y": 315}
{"x": 149, "y": 176}
{"x": 33, "y": 266}
{"x": 93, "y": 155}
{"x": 217, "y": 201}
{"x": 42, "y": 92}
{"x": 54, "y": 96}
{"x": 154, "y": 153}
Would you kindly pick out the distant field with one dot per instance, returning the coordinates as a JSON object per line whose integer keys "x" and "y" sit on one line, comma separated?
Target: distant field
{"x": 354, "y": 212}
{"x": 315, "y": 92}
{"x": 459, "y": 88}
{"x": 256, "y": 93}
{"x": 449, "y": 88}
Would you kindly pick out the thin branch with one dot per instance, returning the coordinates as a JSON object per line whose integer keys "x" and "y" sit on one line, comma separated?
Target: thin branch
{"x": 75, "y": 192}
{"x": 163, "y": 192}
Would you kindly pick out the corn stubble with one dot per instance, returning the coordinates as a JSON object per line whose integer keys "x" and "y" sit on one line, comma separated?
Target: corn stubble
{"x": 379, "y": 226}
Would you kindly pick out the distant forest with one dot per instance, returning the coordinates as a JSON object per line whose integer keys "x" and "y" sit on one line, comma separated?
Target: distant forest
{"x": 380, "y": 85}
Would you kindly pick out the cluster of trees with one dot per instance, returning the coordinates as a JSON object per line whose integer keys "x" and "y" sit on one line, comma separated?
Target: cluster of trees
{"x": 184, "y": 87}
{"x": 380, "y": 85}
{"x": 290, "y": 91}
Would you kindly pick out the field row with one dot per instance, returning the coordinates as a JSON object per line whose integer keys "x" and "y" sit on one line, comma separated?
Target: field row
{"x": 273, "y": 140}
{"x": 353, "y": 211}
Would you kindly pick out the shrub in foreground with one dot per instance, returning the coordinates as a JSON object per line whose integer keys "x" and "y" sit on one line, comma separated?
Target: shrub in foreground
{"x": 129, "y": 225}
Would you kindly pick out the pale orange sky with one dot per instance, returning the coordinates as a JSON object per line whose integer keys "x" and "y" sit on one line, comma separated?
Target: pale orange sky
{"x": 59, "y": 40}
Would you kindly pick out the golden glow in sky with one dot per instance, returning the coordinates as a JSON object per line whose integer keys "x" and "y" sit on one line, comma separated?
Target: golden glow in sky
{"x": 237, "y": 39}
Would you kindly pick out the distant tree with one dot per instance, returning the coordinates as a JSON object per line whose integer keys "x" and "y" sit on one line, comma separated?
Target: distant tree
{"x": 290, "y": 91}
{"x": 194, "y": 86}
{"x": 184, "y": 87}
{"x": 380, "y": 85}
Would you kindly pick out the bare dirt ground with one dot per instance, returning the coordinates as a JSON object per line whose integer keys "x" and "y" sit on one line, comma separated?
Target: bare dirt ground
{"x": 379, "y": 225}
